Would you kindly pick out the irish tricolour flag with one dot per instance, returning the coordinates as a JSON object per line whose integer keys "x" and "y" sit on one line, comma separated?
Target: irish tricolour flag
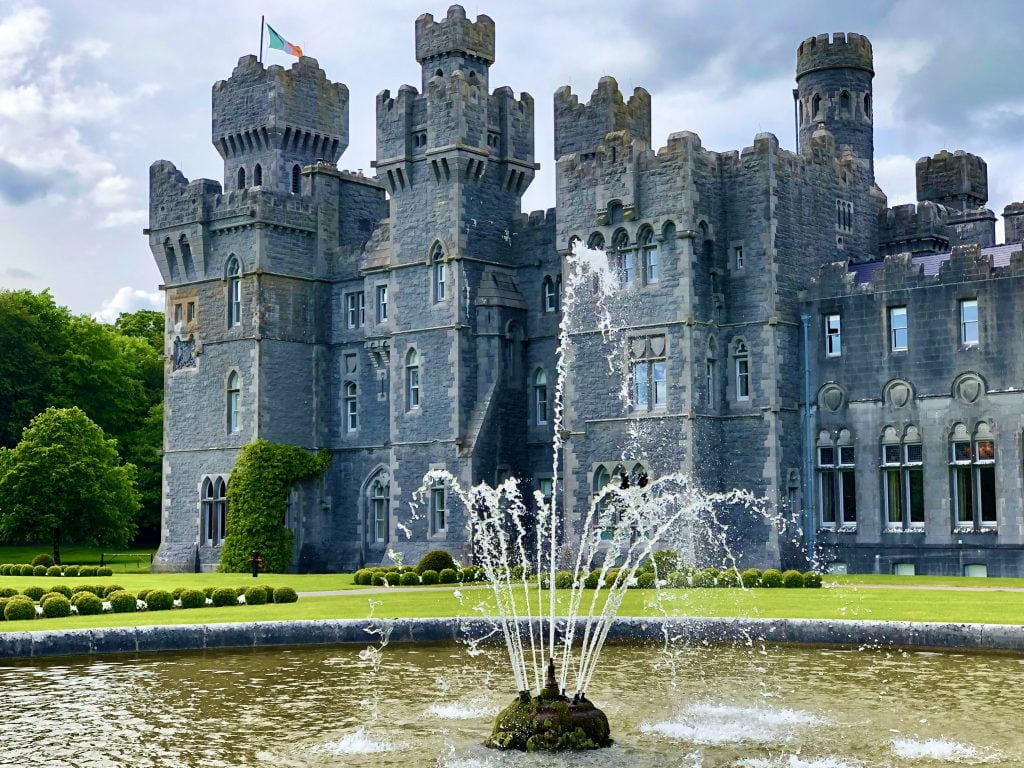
{"x": 278, "y": 42}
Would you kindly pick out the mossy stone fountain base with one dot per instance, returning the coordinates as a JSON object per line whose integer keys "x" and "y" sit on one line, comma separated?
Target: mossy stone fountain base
{"x": 550, "y": 722}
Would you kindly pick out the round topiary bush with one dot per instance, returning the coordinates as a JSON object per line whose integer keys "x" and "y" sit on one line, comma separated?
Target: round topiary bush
{"x": 54, "y": 570}
{"x": 707, "y": 577}
{"x": 812, "y": 580}
{"x": 192, "y": 598}
{"x": 239, "y": 591}
{"x": 56, "y": 607}
{"x": 516, "y": 573}
{"x": 24, "y": 570}
{"x": 71, "y": 570}
{"x": 593, "y": 579}
{"x": 158, "y": 600}
{"x": 93, "y": 588}
{"x": 436, "y": 560}
{"x": 751, "y": 578}
{"x": 34, "y": 593}
{"x": 771, "y": 578}
{"x": 563, "y": 580}
{"x": 8, "y": 591}
{"x": 87, "y": 570}
{"x": 730, "y": 577}
{"x": 381, "y": 579}
{"x": 223, "y": 596}
{"x": 47, "y": 596}
{"x": 176, "y": 592}
{"x": 665, "y": 561}
{"x": 429, "y": 576}
{"x": 19, "y": 609}
{"x": 255, "y": 596}
{"x": 285, "y": 595}
{"x": 792, "y": 580}
{"x": 5, "y": 569}
{"x": 123, "y": 601}
{"x": 411, "y": 579}
{"x": 645, "y": 580}
{"x": 39, "y": 570}
{"x": 447, "y": 576}
{"x": 678, "y": 579}
{"x": 111, "y": 589}
{"x": 208, "y": 592}
{"x": 362, "y": 577}
{"x": 104, "y": 571}
{"x": 88, "y": 604}
{"x": 3, "y": 604}
{"x": 43, "y": 559}
{"x": 62, "y": 589}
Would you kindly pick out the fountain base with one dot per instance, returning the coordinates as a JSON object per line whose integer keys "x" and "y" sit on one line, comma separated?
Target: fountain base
{"x": 550, "y": 722}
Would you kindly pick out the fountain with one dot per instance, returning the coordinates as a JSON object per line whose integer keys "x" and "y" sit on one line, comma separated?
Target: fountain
{"x": 554, "y": 649}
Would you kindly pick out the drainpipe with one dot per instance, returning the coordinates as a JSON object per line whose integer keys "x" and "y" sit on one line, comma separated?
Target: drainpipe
{"x": 808, "y": 473}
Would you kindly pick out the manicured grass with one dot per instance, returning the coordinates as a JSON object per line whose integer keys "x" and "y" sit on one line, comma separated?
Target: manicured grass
{"x": 72, "y": 555}
{"x": 905, "y": 581}
{"x": 301, "y": 582}
{"x": 833, "y": 603}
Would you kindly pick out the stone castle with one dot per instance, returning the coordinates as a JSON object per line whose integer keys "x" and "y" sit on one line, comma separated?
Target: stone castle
{"x": 858, "y": 365}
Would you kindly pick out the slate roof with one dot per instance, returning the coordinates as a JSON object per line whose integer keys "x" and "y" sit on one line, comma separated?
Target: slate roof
{"x": 933, "y": 261}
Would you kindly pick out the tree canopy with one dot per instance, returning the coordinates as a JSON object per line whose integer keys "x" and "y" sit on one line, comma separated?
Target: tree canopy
{"x": 65, "y": 481}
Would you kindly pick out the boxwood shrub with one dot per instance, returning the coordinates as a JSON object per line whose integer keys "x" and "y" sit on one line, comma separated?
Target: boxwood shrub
{"x": 192, "y": 598}
{"x": 71, "y": 570}
{"x": 751, "y": 578}
{"x": 87, "y": 604}
{"x": 19, "y": 608}
{"x": 47, "y": 596}
{"x": 239, "y": 591}
{"x": 8, "y": 591}
{"x": 5, "y": 569}
{"x": 157, "y": 600}
{"x": 43, "y": 559}
{"x": 56, "y": 607}
{"x": 362, "y": 577}
{"x": 24, "y": 570}
{"x": 429, "y": 577}
{"x": 269, "y": 590}
{"x": 771, "y": 578}
{"x": 122, "y": 601}
{"x": 98, "y": 591}
{"x": 665, "y": 561}
{"x": 563, "y": 580}
{"x": 39, "y": 570}
{"x": 792, "y": 579}
{"x": 54, "y": 570}
{"x": 436, "y": 560}
{"x": 255, "y": 596}
{"x": 224, "y": 596}
{"x": 34, "y": 593}
{"x": 111, "y": 589}
{"x": 87, "y": 570}
{"x": 678, "y": 579}
{"x": 410, "y": 579}
{"x": 645, "y": 580}
{"x": 208, "y": 591}
{"x": 707, "y": 577}
{"x": 104, "y": 571}
{"x": 593, "y": 579}
{"x": 812, "y": 580}
{"x": 447, "y": 576}
{"x": 285, "y": 595}
{"x": 730, "y": 577}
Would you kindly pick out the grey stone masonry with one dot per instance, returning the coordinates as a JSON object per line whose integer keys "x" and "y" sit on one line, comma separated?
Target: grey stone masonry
{"x": 409, "y": 321}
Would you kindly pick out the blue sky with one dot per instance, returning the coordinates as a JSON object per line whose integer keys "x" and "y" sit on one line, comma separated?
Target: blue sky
{"x": 92, "y": 93}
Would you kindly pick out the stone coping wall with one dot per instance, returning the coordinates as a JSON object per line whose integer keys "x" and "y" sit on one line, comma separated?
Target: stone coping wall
{"x": 822, "y": 632}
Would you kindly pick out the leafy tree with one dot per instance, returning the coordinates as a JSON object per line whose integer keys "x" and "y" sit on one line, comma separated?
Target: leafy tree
{"x": 261, "y": 480}
{"x": 65, "y": 481}
{"x": 145, "y": 324}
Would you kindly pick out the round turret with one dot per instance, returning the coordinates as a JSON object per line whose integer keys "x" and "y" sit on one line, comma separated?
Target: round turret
{"x": 833, "y": 76}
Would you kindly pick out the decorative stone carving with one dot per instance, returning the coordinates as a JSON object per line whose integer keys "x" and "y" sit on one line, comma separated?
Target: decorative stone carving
{"x": 184, "y": 355}
{"x": 968, "y": 388}
{"x": 898, "y": 394}
{"x": 832, "y": 397}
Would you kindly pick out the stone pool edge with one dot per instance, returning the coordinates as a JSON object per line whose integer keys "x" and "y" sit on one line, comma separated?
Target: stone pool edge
{"x": 821, "y": 632}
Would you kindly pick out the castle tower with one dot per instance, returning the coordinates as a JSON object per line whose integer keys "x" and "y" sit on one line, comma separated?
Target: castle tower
{"x": 268, "y": 123}
{"x": 833, "y": 77}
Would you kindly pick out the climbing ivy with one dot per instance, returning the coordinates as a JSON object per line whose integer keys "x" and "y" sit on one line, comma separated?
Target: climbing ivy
{"x": 257, "y": 500}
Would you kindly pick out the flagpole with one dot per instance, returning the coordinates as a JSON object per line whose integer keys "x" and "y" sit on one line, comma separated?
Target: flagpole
{"x": 263, "y": 23}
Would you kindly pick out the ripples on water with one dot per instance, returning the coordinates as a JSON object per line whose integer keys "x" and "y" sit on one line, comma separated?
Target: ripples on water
{"x": 291, "y": 708}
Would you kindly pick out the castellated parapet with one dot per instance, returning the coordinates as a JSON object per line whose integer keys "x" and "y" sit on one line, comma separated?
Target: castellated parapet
{"x": 955, "y": 179}
{"x": 1013, "y": 222}
{"x": 582, "y": 127}
{"x": 842, "y": 50}
{"x": 268, "y": 120}
{"x": 455, "y": 34}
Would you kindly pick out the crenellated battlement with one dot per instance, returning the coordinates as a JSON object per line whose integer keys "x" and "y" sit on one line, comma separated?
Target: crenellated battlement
{"x": 455, "y": 34}
{"x": 582, "y": 127}
{"x": 838, "y": 50}
{"x": 955, "y": 179}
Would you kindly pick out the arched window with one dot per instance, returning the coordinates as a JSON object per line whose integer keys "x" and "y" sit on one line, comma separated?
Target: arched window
{"x": 550, "y": 295}
{"x": 234, "y": 293}
{"x": 241, "y": 177}
{"x": 816, "y": 106}
{"x": 596, "y": 242}
{"x": 412, "y": 380}
{"x": 711, "y": 379}
{"x": 844, "y": 104}
{"x": 540, "y": 396}
{"x": 626, "y": 257}
{"x": 615, "y": 212}
{"x": 380, "y": 502}
{"x": 208, "y": 517}
{"x": 972, "y": 466}
{"x": 220, "y": 503}
{"x": 439, "y": 267}
{"x": 513, "y": 351}
{"x": 867, "y": 105}
{"x": 649, "y": 247}
{"x": 837, "y": 489}
{"x": 257, "y": 175}
{"x": 741, "y": 359}
{"x": 903, "y": 478}
{"x": 296, "y": 179}
{"x": 234, "y": 403}
{"x": 351, "y": 407}
{"x": 214, "y": 514}
{"x": 171, "y": 259}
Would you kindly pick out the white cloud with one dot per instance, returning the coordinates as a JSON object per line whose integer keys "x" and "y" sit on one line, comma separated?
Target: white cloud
{"x": 128, "y": 299}
{"x": 124, "y": 217}
{"x": 896, "y": 176}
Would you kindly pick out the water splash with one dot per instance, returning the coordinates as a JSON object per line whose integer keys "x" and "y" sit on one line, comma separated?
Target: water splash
{"x": 939, "y": 749}
{"x": 358, "y": 742}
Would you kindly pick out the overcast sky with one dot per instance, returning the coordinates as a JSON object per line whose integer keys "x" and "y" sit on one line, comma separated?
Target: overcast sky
{"x": 92, "y": 93}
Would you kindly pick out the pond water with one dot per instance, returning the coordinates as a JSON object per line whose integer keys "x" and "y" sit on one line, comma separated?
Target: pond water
{"x": 433, "y": 705}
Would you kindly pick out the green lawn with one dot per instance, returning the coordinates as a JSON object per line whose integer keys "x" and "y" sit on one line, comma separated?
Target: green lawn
{"x": 301, "y": 582}
{"x": 834, "y": 603}
{"x": 946, "y": 581}
{"x": 73, "y": 555}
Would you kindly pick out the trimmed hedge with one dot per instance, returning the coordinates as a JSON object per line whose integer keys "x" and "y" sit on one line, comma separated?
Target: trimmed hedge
{"x": 104, "y": 571}
{"x": 54, "y": 570}
{"x": 34, "y": 593}
{"x": 192, "y": 598}
{"x": 111, "y": 589}
{"x": 255, "y": 596}
{"x": 447, "y": 576}
{"x": 645, "y": 580}
{"x": 812, "y": 580}
{"x": 19, "y": 609}
{"x": 410, "y": 579}
{"x": 88, "y": 604}
{"x": 436, "y": 560}
{"x": 224, "y": 596}
{"x": 123, "y": 601}
{"x": 429, "y": 577}
{"x": 71, "y": 570}
{"x": 771, "y": 578}
{"x": 752, "y": 578}
{"x": 263, "y": 477}
{"x": 87, "y": 570}
{"x": 8, "y": 591}
{"x": 43, "y": 558}
{"x": 285, "y": 595}
{"x": 158, "y": 600}
{"x": 563, "y": 580}
{"x": 56, "y": 607}
{"x": 38, "y": 570}
{"x": 792, "y": 579}
{"x": 363, "y": 577}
